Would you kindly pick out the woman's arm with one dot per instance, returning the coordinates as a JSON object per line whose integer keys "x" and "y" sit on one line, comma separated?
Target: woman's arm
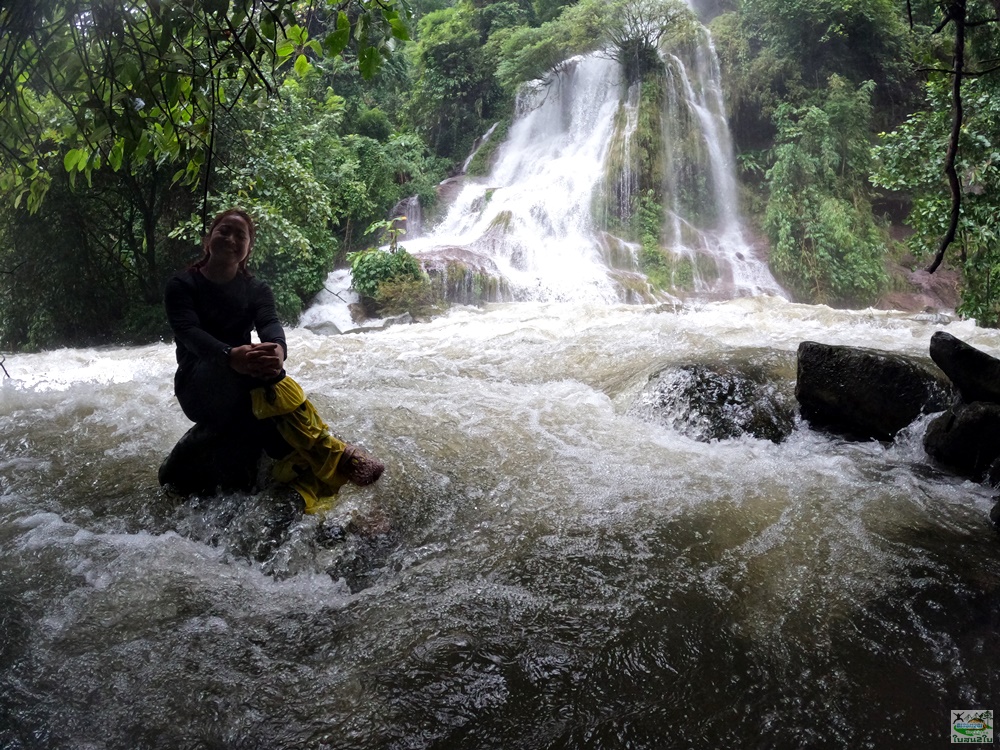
{"x": 269, "y": 328}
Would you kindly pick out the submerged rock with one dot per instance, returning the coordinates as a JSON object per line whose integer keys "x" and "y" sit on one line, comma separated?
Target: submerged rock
{"x": 204, "y": 461}
{"x": 717, "y": 401}
{"x": 866, "y": 393}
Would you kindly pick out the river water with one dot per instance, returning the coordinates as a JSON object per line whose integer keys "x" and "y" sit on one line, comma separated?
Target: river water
{"x": 541, "y": 568}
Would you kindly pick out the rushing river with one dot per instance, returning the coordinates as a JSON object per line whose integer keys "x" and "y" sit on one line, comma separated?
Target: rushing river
{"x": 557, "y": 573}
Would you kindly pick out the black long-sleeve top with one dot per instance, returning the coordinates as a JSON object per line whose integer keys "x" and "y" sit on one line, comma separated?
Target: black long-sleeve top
{"x": 207, "y": 317}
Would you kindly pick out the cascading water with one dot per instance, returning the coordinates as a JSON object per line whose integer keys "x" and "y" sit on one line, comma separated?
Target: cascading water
{"x": 708, "y": 223}
{"x": 531, "y": 220}
{"x": 565, "y": 189}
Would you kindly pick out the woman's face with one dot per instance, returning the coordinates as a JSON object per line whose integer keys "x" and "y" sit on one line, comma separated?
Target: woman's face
{"x": 230, "y": 240}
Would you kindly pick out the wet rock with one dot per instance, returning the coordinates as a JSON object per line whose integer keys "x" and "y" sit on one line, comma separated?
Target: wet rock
{"x": 717, "y": 401}
{"x": 365, "y": 557}
{"x": 465, "y": 277}
{"x": 975, "y": 373}
{"x": 866, "y": 393}
{"x": 966, "y": 438}
{"x": 380, "y": 324}
{"x": 995, "y": 515}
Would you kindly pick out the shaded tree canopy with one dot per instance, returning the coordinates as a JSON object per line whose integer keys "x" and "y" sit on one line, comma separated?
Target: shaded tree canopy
{"x": 107, "y": 83}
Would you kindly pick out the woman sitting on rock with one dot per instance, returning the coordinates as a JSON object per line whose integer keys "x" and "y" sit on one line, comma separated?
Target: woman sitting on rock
{"x": 236, "y": 391}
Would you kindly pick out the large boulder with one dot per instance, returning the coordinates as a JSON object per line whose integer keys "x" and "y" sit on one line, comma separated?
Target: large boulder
{"x": 975, "y": 373}
{"x": 866, "y": 393}
{"x": 966, "y": 438}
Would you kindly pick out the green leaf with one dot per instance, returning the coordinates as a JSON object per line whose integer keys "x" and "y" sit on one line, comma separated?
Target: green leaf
{"x": 72, "y": 159}
{"x": 284, "y": 49}
{"x": 250, "y": 40}
{"x": 267, "y": 26}
{"x": 297, "y": 34}
{"x": 117, "y": 154}
{"x": 369, "y": 61}
{"x": 302, "y": 65}
{"x": 399, "y": 29}
{"x": 336, "y": 41}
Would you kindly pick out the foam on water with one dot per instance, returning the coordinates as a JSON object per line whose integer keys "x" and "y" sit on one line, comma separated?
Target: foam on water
{"x": 541, "y": 536}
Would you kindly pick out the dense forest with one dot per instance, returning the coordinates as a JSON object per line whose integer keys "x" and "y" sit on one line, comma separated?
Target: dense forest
{"x": 865, "y": 135}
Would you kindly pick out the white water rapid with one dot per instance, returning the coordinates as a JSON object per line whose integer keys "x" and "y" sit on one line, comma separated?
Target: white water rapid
{"x": 558, "y": 572}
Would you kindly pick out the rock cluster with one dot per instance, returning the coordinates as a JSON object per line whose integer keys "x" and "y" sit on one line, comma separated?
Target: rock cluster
{"x": 873, "y": 394}
{"x": 967, "y": 436}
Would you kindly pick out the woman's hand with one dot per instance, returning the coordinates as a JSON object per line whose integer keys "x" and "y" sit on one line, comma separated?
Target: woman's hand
{"x": 257, "y": 360}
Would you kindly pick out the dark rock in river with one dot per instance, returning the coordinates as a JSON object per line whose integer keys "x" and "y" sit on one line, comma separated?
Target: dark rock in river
{"x": 975, "y": 373}
{"x": 966, "y": 438}
{"x": 718, "y": 401}
{"x": 866, "y": 393}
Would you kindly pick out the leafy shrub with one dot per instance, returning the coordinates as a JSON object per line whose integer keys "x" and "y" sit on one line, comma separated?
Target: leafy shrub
{"x": 370, "y": 268}
{"x": 825, "y": 245}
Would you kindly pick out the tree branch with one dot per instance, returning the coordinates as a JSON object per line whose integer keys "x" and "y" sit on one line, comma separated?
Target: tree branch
{"x": 957, "y": 13}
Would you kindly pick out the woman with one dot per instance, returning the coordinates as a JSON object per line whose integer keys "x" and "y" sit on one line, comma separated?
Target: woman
{"x": 212, "y": 308}
{"x": 227, "y": 384}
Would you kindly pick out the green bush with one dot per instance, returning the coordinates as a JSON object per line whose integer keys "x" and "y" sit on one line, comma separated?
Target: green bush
{"x": 370, "y": 268}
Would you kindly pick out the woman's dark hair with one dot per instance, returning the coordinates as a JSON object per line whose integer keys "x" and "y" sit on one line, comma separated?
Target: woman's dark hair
{"x": 215, "y": 222}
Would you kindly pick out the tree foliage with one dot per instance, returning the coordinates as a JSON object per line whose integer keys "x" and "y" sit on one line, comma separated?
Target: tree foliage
{"x": 635, "y": 29}
{"x": 145, "y": 83}
{"x": 910, "y": 160}
{"x": 825, "y": 244}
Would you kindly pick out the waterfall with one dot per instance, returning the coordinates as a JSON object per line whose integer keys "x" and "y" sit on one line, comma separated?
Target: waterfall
{"x": 560, "y": 214}
{"x": 706, "y": 222}
{"x": 531, "y": 218}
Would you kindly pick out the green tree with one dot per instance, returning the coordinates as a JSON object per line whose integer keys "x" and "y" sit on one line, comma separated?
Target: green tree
{"x": 308, "y": 185}
{"x": 910, "y": 160}
{"x": 826, "y": 246}
{"x": 145, "y": 82}
{"x": 776, "y": 52}
{"x": 635, "y": 29}
{"x": 455, "y": 94}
